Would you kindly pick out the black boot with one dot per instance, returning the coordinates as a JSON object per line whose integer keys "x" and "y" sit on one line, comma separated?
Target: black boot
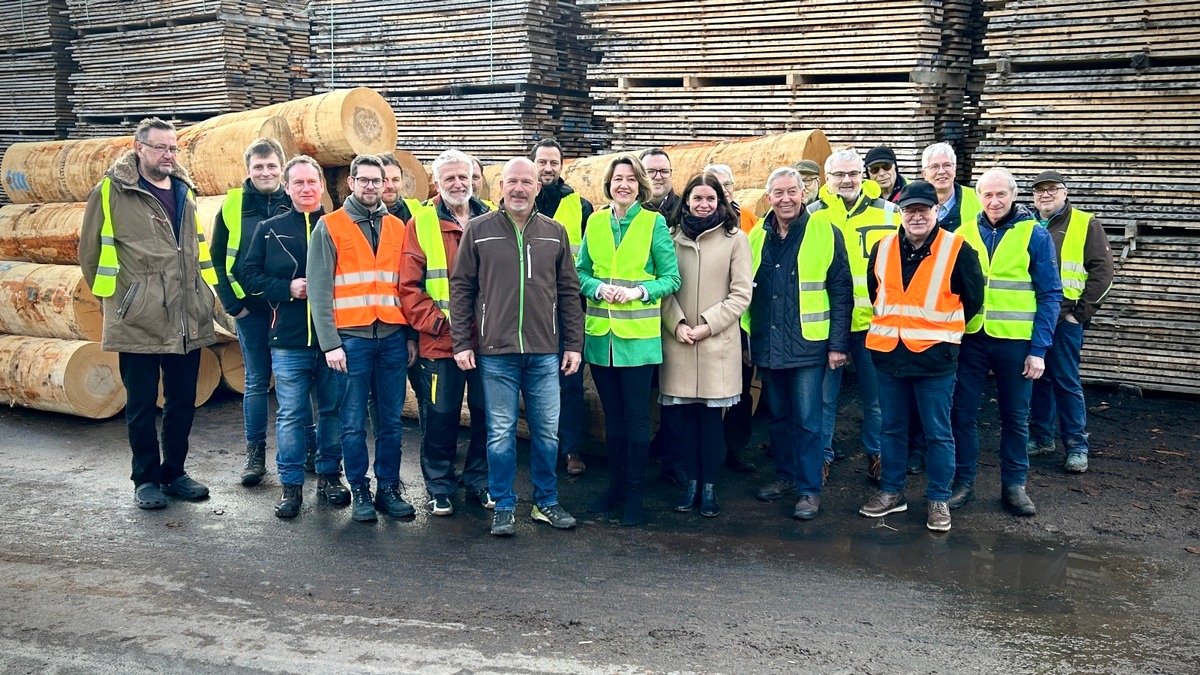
{"x": 617, "y": 458}
{"x": 689, "y": 498}
{"x": 256, "y": 464}
{"x": 709, "y": 508}
{"x": 635, "y": 483}
{"x": 289, "y": 503}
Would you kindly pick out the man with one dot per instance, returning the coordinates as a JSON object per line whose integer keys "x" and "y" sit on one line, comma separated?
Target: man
{"x": 1085, "y": 263}
{"x": 430, "y": 246}
{"x": 143, "y": 253}
{"x": 811, "y": 173}
{"x": 514, "y": 285}
{"x": 1009, "y": 337}
{"x": 556, "y": 199}
{"x": 881, "y": 167}
{"x": 354, "y": 293}
{"x": 393, "y": 179}
{"x": 799, "y": 324}
{"x": 957, "y": 204}
{"x": 478, "y": 188}
{"x": 853, "y": 208}
{"x": 260, "y": 197}
{"x": 663, "y": 199}
{"x": 275, "y": 269}
{"x": 925, "y": 285}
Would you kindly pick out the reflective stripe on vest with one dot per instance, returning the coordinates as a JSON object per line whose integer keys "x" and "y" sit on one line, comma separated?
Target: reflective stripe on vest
{"x": 1074, "y": 274}
{"x": 437, "y": 270}
{"x": 105, "y": 283}
{"x": 925, "y": 313}
{"x": 622, "y": 265}
{"x": 812, "y": 265}
{"x": 231, "y": 214}
{"x": 569, "y": 214}
{"x": 366, "y": 283}
{"x": 1009, "y": 300}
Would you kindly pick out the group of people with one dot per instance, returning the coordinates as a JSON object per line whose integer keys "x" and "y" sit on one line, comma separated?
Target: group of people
{"x": 924, "y": 286}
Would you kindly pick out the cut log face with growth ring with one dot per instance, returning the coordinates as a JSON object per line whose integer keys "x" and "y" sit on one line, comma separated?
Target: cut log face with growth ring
{"x": 64, "y": 376}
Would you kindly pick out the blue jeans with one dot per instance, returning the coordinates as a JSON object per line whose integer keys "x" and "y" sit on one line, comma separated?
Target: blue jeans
{"x": 979, "y": 354}
{"x": 932, "y": 397}
{"x": 301, "y": 377}
{"x": 252, "y": 332}
{"x": 868, "y": 391}
{"x": 795, "y": 425}
{"x": 535, "y": 377}
{"x": 376, "y": 367}
{"x": 1061, "y": 389}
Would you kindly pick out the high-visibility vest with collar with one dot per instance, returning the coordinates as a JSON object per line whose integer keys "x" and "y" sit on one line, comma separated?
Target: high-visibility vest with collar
{"x": 1074, "y": 274}
{"x": 437, "y": 268}
{"x": 569, "y": 214}
{"x": 925, "y": 313}
{"x": 870, "y": 220}
{"x": 622, "y": 265}
{"x": 812, "y": 266}
{"x": 105, "y": 283}
{"x": 231, "y": 215}
{"x": 1009, "y": 299}
{"x": 366, "y": 283}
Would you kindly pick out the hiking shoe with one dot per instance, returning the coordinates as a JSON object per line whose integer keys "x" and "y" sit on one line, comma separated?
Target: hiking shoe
{"x": 364, "y": 509}
{"x": 148, "y": 496}
{"x": 883, "y": 503}
{"x": 939, "y": 517}
{"x": 331, "y": 488}
{"x": 256, "y": 464}
{"x": 807, "y": 507}
{"x": 1076, "y": 462}
{"x": 1014, "y": 498}
{"x": 485, "y": 498}
{"x": 439, "y": 505}
{"x": 290, "y": 501}
{"x": 558, "y": 518}
{"x": 874, "y": 468}
{"x": 777, "y": 490}
{"x": 1034, "y": 448}
{"x": 961, "y": 495}
{"x": 575, "y": 465}
{"x": 389, "y": 500}
{"x": 185, "y": 488}
{"x": 504, "y": 524}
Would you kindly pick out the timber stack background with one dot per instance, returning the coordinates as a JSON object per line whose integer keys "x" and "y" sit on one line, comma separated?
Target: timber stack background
{"x": 1105, "y": 92}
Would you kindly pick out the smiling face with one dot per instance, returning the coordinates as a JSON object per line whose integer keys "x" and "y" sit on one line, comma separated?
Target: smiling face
{"x": 519, "y": 186}
{"x": 393, "y": 178}
{"x": 304, "y": 187}
{"x": 264, "y": 172}
{"x": 658, "y": 168}
{"x": 454, "y": 183}
{"x": 844, "y": 179}
{"x": 548, "y": 163}
{"x": 786, "y": 197}
{"x": 1049, "y": 198}
{"x": 367, "y": 185}
{"x": 940, "y": 171}
{"x": 702, "y": 201}
{"x": 623, "y": 186}
{"x": 997, "y": 196}
{"x": 919, "y": 220}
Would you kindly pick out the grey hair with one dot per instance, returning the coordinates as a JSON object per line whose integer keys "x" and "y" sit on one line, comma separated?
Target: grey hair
{"x": 144, "y": 127}
{"x": 452, "y": 157}
{"x": 938, "y": 149}
{"x": 844, "y": 155}
{"x": 722, "y": 169}
{"x": 784, "y": 172}
{"x": 1003, "y": 172}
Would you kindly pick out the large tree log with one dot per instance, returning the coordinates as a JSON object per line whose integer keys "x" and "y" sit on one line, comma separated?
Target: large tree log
{"x": 214, "y": 156}
{"x": 66, "y": 376}
{"x": 233, "y": 366}
{"x": 48, "y": 301}
{"x": 41, "y": 233}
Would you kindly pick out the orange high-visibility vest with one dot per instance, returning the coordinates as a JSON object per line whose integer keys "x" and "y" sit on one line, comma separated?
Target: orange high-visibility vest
{"x": 366, "y": 284}
{"x": 926, "y": 312}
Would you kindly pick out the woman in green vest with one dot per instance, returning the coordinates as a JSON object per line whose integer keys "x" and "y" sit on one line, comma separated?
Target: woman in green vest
{"x": 626, "y": 266}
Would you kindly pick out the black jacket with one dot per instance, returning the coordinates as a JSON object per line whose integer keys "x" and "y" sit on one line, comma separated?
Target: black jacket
{"x": 549, "y": 197}
{"x": 966, "y": 281}
{"x": 953, "y": 219}
{"x": 667, "y": 207}
{"x": 775, "y": 337}
{"x": 278, "y": 254}
{"x": 256, "y": 207}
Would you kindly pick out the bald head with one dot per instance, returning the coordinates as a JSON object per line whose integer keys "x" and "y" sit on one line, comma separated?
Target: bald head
{"x": 519, "y": 186}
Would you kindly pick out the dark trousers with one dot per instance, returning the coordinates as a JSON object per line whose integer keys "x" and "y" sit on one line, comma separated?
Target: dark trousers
{"x": 979, "y": 354}
{"x": 699, "y": 434}
{"x": 625, "y": 396}
{"x": 736, "y": 427}
{"x": 442, "y": 386}
{"x": 140, "y": 374}
{"x": 571, "y": 412}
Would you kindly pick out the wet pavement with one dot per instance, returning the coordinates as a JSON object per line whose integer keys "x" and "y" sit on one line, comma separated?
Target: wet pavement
{"x": 90, "y": 584}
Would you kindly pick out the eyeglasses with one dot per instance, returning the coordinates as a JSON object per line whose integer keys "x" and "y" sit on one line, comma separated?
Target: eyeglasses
{"x": 364, "y": 182}
{"x": 944, "y": 166}
{"x": 811, "y": 179}
{"x": 842, "y": 175}
{"x": 1052, "y": 190}
{"x": 163, "y": 149}
{"x": 880, "y": 168}
{"x": 659, "y": 172}
{"x": 727, "y": 184}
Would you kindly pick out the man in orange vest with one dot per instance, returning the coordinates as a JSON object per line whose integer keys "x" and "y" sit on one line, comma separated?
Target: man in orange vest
{"x": 354, "y": 293}
{"x": 925, "y": 285}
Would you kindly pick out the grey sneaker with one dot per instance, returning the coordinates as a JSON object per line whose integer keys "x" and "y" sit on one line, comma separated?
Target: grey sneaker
{"x": 504, "y": 524}
{"x": 1034, "y": 448}
{"x": 556, "y": 515}
{"x": 883, "y": 503}
{"x": 939, "y": 517}
{"x": 1076, "y": 462}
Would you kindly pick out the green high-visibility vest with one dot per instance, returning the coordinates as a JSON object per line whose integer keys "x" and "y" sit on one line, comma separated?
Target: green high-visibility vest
{"x": 105, "y": 283}
{"x": 1074, "y": 274}
{"x": 413, "y": 205}
{"x": 625, "y": 266}
{"x": 569, "y": 214}
{"x": 1009, "y": 299}
{"x": 812, "y": 266}
{"x": 871, "y": 220}
{"x": 231, "y": 214}
{"x": 437, "y": 270}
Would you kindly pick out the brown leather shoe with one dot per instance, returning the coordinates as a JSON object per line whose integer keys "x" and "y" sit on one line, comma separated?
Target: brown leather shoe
{"x": 939, "y": 517}
{"x": 575, "y": 465}
{"x": 874, "y": 468}
{"x": 883, "y": 503}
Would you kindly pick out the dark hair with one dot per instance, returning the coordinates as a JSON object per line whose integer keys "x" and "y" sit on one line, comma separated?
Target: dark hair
{"x": 650, "y": 152}
{"x": 732, "y": 222}
{"x": 388, "y": 159}
{"x": 365, "y": 160}
{"x": 546, "y": 143}
{"x": 264, "y": 147}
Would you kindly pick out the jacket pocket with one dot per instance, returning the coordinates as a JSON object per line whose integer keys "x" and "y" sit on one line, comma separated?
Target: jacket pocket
{"x": 130, "y": 295}
{"x": 482, "y": 320}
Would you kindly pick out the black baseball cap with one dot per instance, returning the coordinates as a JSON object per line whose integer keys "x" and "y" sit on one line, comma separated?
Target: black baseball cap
{"x": 917, "y": 192}
{"x": 881, "y": 154}
{"x": 1048, "y": 177}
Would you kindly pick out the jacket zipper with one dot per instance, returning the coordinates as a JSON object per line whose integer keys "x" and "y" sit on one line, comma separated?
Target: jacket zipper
{"x": 520, "y": 287}
{"x": 130, "y": 294}
{"x": 482, "y": 320}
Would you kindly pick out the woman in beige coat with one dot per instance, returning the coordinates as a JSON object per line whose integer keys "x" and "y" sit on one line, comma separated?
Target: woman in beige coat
{"x": 701, "y": 372}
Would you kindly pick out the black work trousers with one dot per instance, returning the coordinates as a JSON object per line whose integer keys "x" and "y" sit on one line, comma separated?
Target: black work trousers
{"x": 140, "y": 374}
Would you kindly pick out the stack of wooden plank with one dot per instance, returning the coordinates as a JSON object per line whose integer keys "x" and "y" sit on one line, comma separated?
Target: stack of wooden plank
{"x": 1105, "y": 93}
{"x": 677, "y": 70}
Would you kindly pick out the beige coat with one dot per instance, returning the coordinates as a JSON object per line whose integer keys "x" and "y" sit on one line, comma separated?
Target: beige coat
{"x": 715, "y": 289}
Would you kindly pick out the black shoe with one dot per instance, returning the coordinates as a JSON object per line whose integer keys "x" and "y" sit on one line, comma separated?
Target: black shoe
{"x": 485, "y": 498}
{"x": 777, "y": 490}
{"x": 185, "y": 488}
{"x": 709, "y": 508}
{"x": 148, "y": 496}
{"x": 916, "y": 464}
{"x": 635, "y": 511}
{"x": 1016, "y": 501}
{"x": 364, "y": 508}
{"x": 310, "y": 460}
{"x": 289, "y": 503}
{"x": 807, "y": 507}
{"x": 735, "y": 461}
{"x": 256, "y": 464}
{"x": 388, "y": 500}
{"x": 839, "y": 452}
{"x": 331, "y": 488}
{"x": 440, "y": 505}
{"x": 690, "y": 498}
{"x": 961, "y": 495}
{"x": 676, "y": 476}
{"x": 504, "y": 524}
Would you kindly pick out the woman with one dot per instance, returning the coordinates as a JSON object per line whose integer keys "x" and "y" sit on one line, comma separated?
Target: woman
{"x": 702, "y": 365}
{"x": 626, "y": 267}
